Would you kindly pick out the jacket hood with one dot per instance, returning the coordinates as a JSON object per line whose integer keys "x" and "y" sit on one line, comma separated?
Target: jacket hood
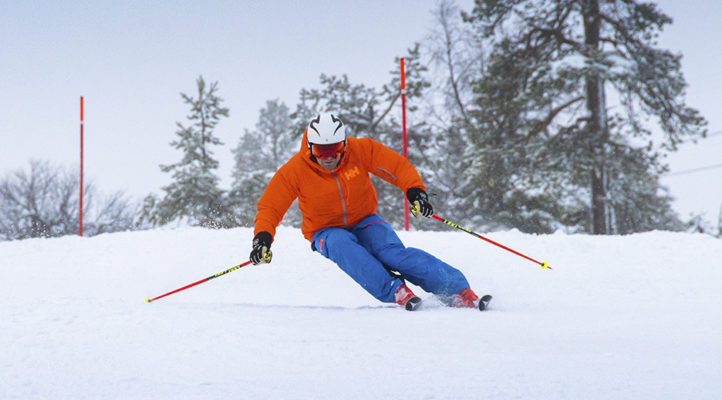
{"x": 304, "y": 143}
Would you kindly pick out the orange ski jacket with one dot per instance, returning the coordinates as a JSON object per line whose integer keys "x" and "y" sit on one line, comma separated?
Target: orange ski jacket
{"x": 338, "y": 198}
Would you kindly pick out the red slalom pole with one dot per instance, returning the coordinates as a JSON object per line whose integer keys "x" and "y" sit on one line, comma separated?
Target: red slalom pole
{"x": 199, "y": 282}
{"x": 80, "y": 207}
{"x": 543, "y": 265}
{"x": 403, "y": 119}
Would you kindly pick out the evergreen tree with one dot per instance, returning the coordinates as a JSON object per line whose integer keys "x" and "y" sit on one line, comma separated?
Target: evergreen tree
{"x": 194, "y": 196}
{"x": 542, "y": 126}
{"x": 258, "y": 156}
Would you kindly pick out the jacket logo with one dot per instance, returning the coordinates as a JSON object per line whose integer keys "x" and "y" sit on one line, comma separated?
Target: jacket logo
{"x": 351, "y": 173}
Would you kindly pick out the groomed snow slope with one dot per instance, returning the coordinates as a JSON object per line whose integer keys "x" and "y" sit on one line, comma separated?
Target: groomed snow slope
{"x": 625, "y": 317}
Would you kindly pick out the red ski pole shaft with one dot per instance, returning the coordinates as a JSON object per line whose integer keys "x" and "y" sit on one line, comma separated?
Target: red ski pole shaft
{"x": 199, "y": 282}
{"x": 543, "y": 265}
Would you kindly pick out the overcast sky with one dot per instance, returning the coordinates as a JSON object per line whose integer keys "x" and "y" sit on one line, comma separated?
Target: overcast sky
{"x": 131, "y": 59}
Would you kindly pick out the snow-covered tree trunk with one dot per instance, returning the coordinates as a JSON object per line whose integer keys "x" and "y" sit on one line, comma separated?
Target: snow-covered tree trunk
{"x": 597, "y": 125}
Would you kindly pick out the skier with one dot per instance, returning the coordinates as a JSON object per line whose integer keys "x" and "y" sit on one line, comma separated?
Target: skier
{"x": 330, "y": 178}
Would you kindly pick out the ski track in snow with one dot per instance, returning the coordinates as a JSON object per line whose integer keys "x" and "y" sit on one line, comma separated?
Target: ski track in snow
{"x": 619, "y": 317}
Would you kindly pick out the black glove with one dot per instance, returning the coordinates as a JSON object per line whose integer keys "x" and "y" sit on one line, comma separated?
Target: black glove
{"x": 261, "y": 252}
{"x": 419, "y": 203}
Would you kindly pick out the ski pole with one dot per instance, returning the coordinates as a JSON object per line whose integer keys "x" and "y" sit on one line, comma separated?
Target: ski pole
{"x": 199, "y": 282}
{"x": 543, "y": 265}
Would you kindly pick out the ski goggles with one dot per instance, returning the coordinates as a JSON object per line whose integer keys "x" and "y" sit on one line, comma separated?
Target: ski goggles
{"x": 333, "y": 150}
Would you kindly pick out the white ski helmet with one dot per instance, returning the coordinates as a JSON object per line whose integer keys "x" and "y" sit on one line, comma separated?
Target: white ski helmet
{"x": 326, "y": 128}
{"x": 326, "y": 137}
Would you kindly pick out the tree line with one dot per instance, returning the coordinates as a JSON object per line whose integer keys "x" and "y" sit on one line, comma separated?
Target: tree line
{"x": 523, "y": 115}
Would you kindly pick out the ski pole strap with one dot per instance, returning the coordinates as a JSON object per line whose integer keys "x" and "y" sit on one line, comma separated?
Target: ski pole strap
{"x": 543, "y": 265}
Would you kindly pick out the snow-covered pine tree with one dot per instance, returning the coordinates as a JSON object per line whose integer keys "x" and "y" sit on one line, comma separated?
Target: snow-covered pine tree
{"x": 545, "y": 131}
{"x": 194, "y": 196}
{"x": 258, "y": 156}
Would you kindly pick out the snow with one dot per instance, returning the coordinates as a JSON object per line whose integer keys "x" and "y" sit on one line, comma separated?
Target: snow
{"x": 623, "y": 317}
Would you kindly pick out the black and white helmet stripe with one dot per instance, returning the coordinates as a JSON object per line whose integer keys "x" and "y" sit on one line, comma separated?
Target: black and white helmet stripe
{"x": 339, "y": 123}
{"x": 313, "y": 124}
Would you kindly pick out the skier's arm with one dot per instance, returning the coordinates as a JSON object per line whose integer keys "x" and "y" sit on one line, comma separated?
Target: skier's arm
{"x": 278, "y": 196}
{"x": 392, "y": 167}
{"x": 397, "y": 170}
{"x": 275, "y": 201}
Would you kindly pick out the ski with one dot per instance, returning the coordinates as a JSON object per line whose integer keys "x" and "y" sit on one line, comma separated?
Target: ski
{"x": 413, "y": 303}
{"x": 484, "y": 302}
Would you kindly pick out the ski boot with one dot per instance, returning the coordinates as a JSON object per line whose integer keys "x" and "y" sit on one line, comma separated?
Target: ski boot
{"x": 466, "y": 298}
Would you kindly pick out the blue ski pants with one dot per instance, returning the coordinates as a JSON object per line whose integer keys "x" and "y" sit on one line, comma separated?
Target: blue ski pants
{"x": 361, "y": 252}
